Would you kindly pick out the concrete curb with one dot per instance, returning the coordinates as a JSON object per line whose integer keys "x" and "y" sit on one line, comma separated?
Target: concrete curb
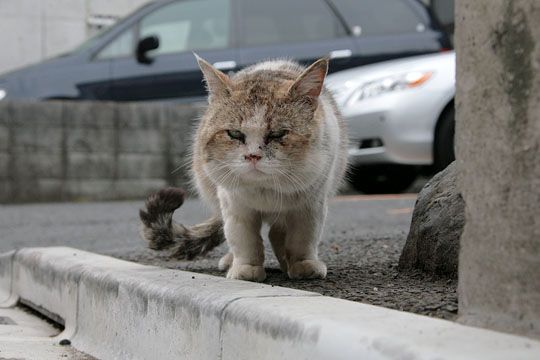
{"x": 114, "y": 309}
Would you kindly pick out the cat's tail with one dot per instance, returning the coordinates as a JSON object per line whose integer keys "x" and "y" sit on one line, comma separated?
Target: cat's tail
{"x": 162, "y": 232}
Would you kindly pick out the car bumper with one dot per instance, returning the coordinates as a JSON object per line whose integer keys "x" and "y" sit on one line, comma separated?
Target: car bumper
{"x": 393, "y": 128}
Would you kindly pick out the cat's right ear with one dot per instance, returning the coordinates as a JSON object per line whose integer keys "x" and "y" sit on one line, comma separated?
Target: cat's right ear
{"x": 310, "y": 83}
{"x": 217, "y": 83}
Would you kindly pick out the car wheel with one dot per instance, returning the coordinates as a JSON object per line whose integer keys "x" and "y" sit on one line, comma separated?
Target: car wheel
{"x": 444, "y": 140}
{"x": 382, "y": 179}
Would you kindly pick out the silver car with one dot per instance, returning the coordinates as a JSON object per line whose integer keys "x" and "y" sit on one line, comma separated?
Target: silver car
{"x": 401, "y": 119}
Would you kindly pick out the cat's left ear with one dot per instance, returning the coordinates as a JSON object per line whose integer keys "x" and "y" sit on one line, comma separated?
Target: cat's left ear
{"x": 310, "y": 83}
{"x": 218, "y": 83}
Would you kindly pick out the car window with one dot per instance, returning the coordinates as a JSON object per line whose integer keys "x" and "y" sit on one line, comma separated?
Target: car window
{"x": 188, "y": 25}
{"x": 122, "y": 45}
{"x": 379, "y": 17}
{"x": 96, "y": 39}
{"x": 444, "y": 10}
{"x": 284, "y": 21}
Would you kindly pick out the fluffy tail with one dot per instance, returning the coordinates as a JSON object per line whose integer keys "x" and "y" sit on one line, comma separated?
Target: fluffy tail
{"x": 162, "y": 232}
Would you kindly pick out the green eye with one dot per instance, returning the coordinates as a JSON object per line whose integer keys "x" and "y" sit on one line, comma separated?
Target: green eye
{"x": 276, "y": 135}
{"x": 237, "y": 135}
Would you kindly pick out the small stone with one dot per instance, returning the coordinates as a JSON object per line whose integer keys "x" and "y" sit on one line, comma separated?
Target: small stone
{"x": 65, "y": 342}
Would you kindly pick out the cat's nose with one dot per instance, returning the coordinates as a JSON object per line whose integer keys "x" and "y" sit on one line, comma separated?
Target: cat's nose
{"x": 253, "y": 157}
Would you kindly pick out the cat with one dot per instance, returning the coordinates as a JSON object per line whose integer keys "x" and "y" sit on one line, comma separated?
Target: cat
{"x": 271, "y": 147}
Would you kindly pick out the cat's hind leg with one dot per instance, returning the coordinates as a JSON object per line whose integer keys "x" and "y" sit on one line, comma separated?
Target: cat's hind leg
{"x": 277, "y": 239}
{"x": 225, "y": 262}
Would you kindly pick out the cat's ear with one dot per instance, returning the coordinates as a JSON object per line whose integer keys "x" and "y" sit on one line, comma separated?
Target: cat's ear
{"x": 310, "y": 83}
{"x": 218, "y": 83}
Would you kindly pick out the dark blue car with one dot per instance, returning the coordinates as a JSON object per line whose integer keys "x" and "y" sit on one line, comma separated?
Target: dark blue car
{"x": 148, "y": 55}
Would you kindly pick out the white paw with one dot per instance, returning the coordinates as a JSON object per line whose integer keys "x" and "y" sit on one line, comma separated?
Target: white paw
{"x": 246, "y": 272}
{"x": 307, "y": 269}
{"x": 225, "y": 262}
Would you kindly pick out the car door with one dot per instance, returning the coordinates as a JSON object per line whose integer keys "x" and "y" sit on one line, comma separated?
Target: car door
{"x": 303, "y": 30}
{"x": 182, "y": 27}
{"x": 71, "y": 77}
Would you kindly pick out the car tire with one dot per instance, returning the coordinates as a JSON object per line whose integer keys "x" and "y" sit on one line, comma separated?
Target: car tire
{"x": 443, "y": 151}
{"x": 382, "y": 179}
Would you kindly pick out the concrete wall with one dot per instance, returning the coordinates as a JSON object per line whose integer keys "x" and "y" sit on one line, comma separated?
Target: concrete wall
{"x": 77, "y": 151}
{"x": 498, "y": 151}
{"x": 32, "y": 30}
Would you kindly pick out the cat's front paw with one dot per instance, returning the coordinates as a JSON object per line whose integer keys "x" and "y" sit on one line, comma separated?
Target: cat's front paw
{"x": 307, "y": 269}
{"x": 246, "y": 272}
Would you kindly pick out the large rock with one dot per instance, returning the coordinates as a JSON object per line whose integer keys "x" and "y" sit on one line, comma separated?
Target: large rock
{"x": 437, "y": 224}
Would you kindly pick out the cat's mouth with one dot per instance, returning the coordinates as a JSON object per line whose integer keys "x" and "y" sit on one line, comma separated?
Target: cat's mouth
{"x": 255, "y": 171}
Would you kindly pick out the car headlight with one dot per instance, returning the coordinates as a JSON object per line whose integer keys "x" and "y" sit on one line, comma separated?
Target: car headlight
{"x": 3, "y": 94}
{"x": 389, "y": 84}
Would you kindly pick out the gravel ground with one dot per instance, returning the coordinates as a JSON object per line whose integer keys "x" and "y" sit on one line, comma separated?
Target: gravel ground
{"x": 362, "y": 242}
{"x": 362, "y": 265}
{"x": 375, "y": 281}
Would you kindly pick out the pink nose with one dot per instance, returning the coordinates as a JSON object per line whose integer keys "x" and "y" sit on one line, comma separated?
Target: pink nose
{"x": 252, "y": 157}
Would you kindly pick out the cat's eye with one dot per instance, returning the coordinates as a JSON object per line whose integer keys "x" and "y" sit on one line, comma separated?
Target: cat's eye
{"x": 276, "y": 135}
{"x": 237, "y": 135}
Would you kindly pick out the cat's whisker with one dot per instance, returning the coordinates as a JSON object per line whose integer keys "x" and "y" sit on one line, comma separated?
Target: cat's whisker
{"x": 297, "y": 184}
{"x": 185, "y": 163}
{"x": 177, "y": 169}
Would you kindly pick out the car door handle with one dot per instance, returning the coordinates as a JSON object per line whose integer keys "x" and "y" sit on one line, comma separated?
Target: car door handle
{"x": 225, "y": 65}
{"x": 341, "y": 54}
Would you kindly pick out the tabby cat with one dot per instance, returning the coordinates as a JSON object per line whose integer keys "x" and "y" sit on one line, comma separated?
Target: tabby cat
{"x": 271, "y": 147}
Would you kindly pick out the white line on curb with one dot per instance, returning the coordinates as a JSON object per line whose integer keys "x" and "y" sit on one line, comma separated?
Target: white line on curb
{"x": 114, "y": 309}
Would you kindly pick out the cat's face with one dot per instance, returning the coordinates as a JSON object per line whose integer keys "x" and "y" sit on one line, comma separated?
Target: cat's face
{"x": 259, "y": 142}
{"x": 262, "y": 128}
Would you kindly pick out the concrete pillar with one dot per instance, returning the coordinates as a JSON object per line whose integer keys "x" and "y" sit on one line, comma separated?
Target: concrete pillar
{"x": 498, "y": 151}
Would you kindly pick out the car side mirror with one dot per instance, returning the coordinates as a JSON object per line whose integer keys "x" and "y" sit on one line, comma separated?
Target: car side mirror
{"x": 144, "y": 46}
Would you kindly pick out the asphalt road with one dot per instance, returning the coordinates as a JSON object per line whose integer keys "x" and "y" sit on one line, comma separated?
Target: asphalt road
{"x": 362, "y": 242}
